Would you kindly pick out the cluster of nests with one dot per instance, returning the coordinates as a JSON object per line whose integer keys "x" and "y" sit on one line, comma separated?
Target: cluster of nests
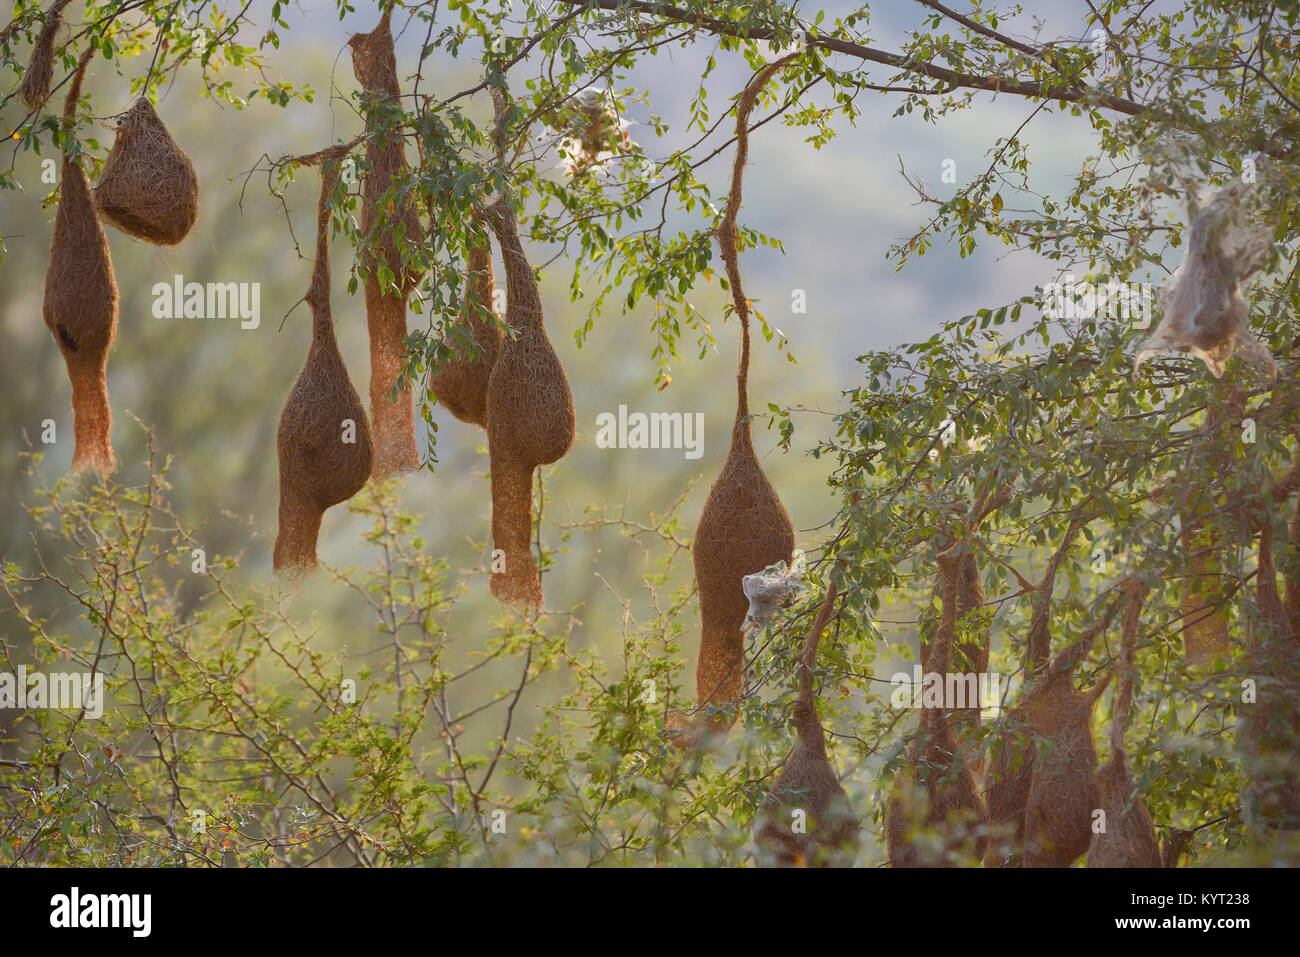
{"x": 327, "y": 445}
{"x": 1043, "y": 782}
{"x": 148, "y": 190}
{"x": 512, "y": 386}
{"x": 1038, "y": 798}
{"x": 1038, "y": 804}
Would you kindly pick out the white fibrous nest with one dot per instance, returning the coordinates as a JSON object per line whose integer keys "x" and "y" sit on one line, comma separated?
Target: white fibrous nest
{"x": 595, "y": 131}
{"x": 772, "y": 52}
{"x": 772, "y": 589}
{"x": 1204, "y": 311}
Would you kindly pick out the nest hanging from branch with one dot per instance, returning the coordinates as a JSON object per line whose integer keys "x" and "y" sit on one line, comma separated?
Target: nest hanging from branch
{"x": 1206, "y": 591}
{"x": 1130, "y": 837}
{"x": 323, "y": 442}
{"x": 1046, "y": 800}
{"x": 1205, "y": 622}
{"x": 808, "y": 782}
{"x": 934, "y": 815}
{"x": 959, "y": 576}
{"x": 1204, "y": 311}
{"x": 1269, "y": 738}
{"x": 530, "y": 418}
{"x": 743, "y": 528}
{"x": 148, "y": 189}
{"x": 81, "y": 299}
{"x": 374, "y": 62}
{"x": 461, "y": 383}
{"x": 35, "y": 86}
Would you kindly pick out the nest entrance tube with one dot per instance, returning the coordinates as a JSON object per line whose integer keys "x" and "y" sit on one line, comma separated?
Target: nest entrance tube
{"x": 1270, "y": 734}
{"x": 1205, "y": 591}
{"x": 461, "y": 383}
{"x": 148, "y": 189}
{"x": 323, "y": 443}
{"x": 374, "y": 62}
{"x": 936, "y": 791}
{"x": 530, "y": 418}
{"x": 743, "y": 528}
{"x": 1129, "y": 838}
{"x": 1046, "y": 799}
{"x": 808, "y": 782}
{"x": 81, "y": 300}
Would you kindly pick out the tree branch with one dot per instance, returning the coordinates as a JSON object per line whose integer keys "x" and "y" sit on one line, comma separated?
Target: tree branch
{"x": 1072, "y": 92}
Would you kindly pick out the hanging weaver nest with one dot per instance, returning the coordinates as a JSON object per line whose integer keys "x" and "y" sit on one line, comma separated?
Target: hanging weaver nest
{"x": 375, "y": 64}
{"x": 461, "y": 383}
{"x": 1205, "y": 589}
{"x": 1130, "y": 837}
{"x": 934, "y": 815}
{"x": 35, "y": 86}
{"x": 744, "y": 528}
{"x": 593, "y": 130}
{"x": 80, "y": 307}
{"x": 1046, "y": 799}
{"x": 1204, "y": 311}
{"x": 1270, "y": 727}
{"x": 959, "y": 576}
{"x": 148, "y": 188}
{"x": 1204, "y": 621}
{"x": 319, "y": 467}
{"x": 808, "y": 782}
{"x": 530, "y": 420}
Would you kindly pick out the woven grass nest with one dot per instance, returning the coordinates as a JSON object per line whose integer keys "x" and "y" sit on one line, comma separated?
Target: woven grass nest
{"x": 461, "y": 383}
{"x": 959, "y": 576}
{"x": 1205, "y": 591}
{"x": 35, "y": 86}
{"x": 530, "y": 418}
{"x": 1270, "y": 728}
{"x": 1205, "y": 620}
{"x": 318, "y": 468}
{"x": 808, "y": 782}
{"x": 1045, "y": 801}
{"x": 374, "y": 62}
{"x": 148, "y": 189}
{"x": 81, "y": 300}
{"x": 743, "y": 528}
{"x": 934, "y": 816}
{"x": 1130, "y": 837}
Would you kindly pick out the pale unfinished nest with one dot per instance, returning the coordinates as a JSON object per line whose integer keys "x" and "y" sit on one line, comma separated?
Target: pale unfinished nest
{"x": 773, "y": 589}
{"x": 595, "y": 133}
{"x": 1204, "y": 311}
{"x": 35, "y": 86}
